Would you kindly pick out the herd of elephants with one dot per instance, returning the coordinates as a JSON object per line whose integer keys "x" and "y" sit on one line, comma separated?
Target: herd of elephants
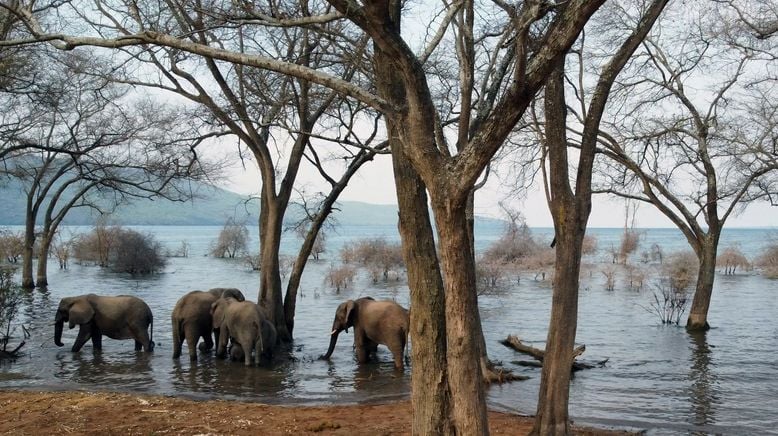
{"x": 222, "y": 316}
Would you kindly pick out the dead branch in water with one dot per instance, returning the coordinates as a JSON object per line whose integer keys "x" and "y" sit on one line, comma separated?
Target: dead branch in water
{"x": 513, "y": 342}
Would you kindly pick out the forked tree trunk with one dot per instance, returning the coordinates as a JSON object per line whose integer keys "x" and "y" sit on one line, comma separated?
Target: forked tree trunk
{"x": 430, "y": 394}
{"x": 462, "y": 321}
{"x": 698, "y": 314}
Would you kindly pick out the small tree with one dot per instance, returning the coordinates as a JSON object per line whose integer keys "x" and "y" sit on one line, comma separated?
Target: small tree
{"x": 233, "y": 239}
{"x": 11, "y": 246}
{"x": 630, "y": 241}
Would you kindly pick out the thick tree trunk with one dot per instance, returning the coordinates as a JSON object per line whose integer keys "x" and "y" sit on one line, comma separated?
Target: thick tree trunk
{"x": 28, "y": 252}
{"x": 698, "y": 315}
{"x": 430, "y": 394}
{"x": 552, "y": 413}
{"x": 270, "y": 277}
{"x": 43, "y": 260}
{"x": 462, "y": 321}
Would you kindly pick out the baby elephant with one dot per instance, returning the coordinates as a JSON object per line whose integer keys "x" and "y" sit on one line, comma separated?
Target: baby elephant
{"x": 268, "y": 343}
{"x": 119, "y": 317}
{"x": 192, "y": 320}
{"x": 374, "y": 322}
{"x": 243, "y": 322}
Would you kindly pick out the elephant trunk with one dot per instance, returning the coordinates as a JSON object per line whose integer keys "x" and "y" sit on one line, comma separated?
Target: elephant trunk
{"x": 59, "y": 322}
{"x": 333, "y": 341}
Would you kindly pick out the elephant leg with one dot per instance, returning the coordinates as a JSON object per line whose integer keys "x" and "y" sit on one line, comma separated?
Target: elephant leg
{"x": 178, "y": 341}
{"x": 84, "y": 333}
{"x": 207, "y": 344}
{"x": 191, "y": 344}
{"x": 224, "y": 336}
{"x": 97, "y": 338}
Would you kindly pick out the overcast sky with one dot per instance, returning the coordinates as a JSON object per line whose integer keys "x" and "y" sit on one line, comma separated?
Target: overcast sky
{"x": 373, "y": 184}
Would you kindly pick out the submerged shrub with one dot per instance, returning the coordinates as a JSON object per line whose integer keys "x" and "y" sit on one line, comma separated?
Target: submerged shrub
{"x": 120, "y": 249}
{"x": 768, "y": 261}
{"x": 730, "y": 259}
{"x": 680, "y": 270}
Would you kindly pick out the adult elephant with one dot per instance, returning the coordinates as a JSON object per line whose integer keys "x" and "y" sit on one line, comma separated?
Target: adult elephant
{"x": 119, "y": 317}
{"x": 243, "y": 322}
{"x": 374, "y": 322}
{"x": 192, "y": 320}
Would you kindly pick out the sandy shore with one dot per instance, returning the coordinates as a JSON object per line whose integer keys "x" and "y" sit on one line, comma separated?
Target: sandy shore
{"x": 105, "y": 413}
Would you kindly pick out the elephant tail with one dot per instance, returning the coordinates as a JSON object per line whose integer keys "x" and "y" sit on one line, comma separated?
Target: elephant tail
{"x": 151, "y": 332}
{"x": 258, "y": 345}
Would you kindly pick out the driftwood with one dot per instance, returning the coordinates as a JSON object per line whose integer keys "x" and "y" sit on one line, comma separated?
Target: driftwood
{"x": 513, "y": 342}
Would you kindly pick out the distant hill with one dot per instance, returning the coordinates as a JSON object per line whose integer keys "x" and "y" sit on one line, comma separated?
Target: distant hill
{"x": 212, "y": 206}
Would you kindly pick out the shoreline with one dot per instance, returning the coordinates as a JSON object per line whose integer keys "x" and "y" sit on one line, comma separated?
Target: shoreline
{"x": 34, "y": 412}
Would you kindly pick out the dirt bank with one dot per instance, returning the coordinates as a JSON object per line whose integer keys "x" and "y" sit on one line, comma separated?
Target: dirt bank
{"x": 50, "y": 413}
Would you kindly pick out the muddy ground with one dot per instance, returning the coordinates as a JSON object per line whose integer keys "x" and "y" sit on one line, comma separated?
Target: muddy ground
{"x": 102, "y": 413}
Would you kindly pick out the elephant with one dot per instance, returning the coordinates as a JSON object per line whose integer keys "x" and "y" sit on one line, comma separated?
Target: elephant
{"x": 269, "y": 337}
{"x": 374, "y": 322}
{"x": 192, "y": 320}
{"x": 243, "y": 322}
{"x": 119, "y": 317}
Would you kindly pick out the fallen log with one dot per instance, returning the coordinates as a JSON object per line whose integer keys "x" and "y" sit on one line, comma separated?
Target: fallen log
{"x": 513, "y": 342}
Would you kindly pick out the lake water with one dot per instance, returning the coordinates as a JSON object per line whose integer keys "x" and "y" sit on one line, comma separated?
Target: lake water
{"x": 657, "y": 378}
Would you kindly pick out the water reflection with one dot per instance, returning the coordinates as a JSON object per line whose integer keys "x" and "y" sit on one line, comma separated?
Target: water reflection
{"x": 703, "y": 391}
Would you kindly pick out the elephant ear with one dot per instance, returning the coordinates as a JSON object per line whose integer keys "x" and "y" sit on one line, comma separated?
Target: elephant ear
{"x": 350, "y": 305}
{"x": 81, "y": 312}
{"x": 217, "y": 313}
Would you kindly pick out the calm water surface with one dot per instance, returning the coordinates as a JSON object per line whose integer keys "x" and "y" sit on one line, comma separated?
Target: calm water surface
{"x": 658, "y": 378}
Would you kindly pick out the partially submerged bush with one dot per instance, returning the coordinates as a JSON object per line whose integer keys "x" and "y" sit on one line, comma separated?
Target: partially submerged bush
{"x": 681, "y": 270}
{"x": 730, "y": 259}
{"x": 768, "y": 261}
{"x": 340, "y": 277}
{"x": 669, "y": 303}
{"x": 489, "y": 275}
{"x": 11, "y": 299}
{"x": 378, "y": 256}
{"x": 120, "y": 249}
{"x": 630, "y": 240}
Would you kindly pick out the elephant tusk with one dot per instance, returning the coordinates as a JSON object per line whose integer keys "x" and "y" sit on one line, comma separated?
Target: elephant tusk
{"x": 333, "y": 332}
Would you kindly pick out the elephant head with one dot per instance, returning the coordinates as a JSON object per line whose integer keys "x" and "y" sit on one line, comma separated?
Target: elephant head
{"x": 344, "y": 318}
{"x": 218, "y": 309}
{"x": 75, "y": 310}
{"x": 227, "y": 293}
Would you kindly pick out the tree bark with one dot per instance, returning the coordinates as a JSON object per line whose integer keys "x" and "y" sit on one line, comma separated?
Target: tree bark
{"x": 270, "y": 296}
{"x": 463, "y": 350}
{"x": 43, "y": 259}
{"x": 28, "y": 251}
{"x": 698, "y": 314}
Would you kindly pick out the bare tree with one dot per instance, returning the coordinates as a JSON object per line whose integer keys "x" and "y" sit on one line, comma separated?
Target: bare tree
{"x": 73, "y": 152}
{"x": 531, "y": 40}
{"x": 694, "y": 136}
{"x": 232, "y": 240}
{"x": 570, "y": 205}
